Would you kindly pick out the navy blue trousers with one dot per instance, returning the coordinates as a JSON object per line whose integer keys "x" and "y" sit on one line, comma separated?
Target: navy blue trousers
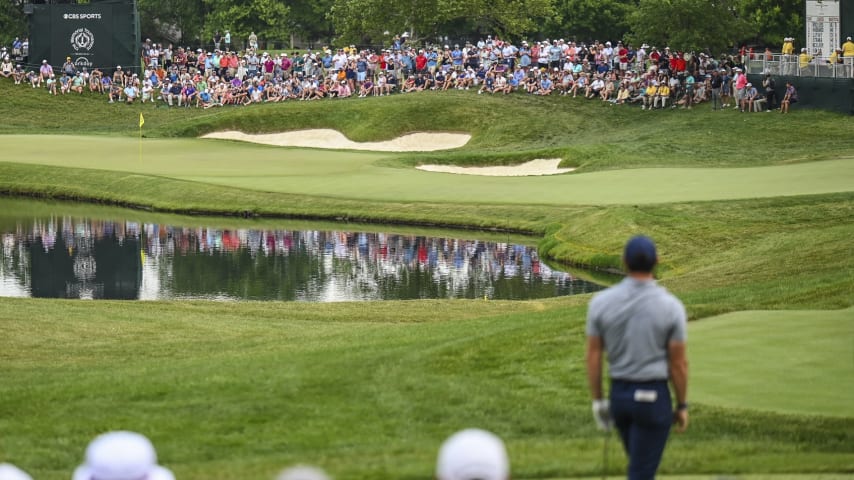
{"x": 643, "y": 423}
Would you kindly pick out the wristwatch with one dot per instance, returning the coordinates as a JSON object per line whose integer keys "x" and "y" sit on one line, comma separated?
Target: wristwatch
{"x": 682, "y": 406}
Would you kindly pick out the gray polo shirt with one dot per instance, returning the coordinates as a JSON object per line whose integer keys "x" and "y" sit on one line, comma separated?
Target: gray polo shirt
{"x": 636, "y": 320}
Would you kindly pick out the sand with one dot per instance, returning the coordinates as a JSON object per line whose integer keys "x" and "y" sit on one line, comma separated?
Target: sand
{"x": 333, "y": 139}
{"x": 541, "y": 166}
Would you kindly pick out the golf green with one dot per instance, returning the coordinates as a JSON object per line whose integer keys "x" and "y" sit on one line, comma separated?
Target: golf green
{"x": 785, "y": 361}
{"x": 358, "y": 176}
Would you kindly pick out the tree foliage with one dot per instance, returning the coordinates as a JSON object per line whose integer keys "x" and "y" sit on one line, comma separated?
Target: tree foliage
{"x": 587, "y": 20}
{"x": 267, "y": 18}
{"x": 174, "y": 21}
{"x": 12, "y": 22}
{"x": 772, "y": 20}
{"x": 369, "y": 20}
{"x": 697, "y": 25}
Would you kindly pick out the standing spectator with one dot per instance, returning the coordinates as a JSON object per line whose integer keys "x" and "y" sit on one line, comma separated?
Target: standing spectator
{"x": 217, "y": 40}
{"x": 253, "y": 41}
{"x": 848, "y": 56}
{"x": 788, "y": 55}
{"x": 789, "y": 98}
{"x": 642, "y": 328}
{"x": 770, "y": 91}
{"x": 228, "y": 40}
{"x": 68, "y": 67}
{"x": 17, "y": 48}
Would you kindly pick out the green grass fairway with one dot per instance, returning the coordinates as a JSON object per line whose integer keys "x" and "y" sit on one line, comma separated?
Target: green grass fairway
{"x": 787, "y": 361}
{"x": 357, "y": 176}
{"x": 368, "y": 390}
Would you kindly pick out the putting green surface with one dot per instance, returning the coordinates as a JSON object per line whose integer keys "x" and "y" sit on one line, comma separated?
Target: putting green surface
{"x": 786, "y": 361}
{"x": 358, "y": 176}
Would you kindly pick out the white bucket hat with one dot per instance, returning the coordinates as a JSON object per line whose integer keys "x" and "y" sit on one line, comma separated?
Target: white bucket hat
{"x": 303, "y": 472}
{"x": 473, "y": 454}
{"x": 11, "y": 472}
{"x": 121, "y": 456}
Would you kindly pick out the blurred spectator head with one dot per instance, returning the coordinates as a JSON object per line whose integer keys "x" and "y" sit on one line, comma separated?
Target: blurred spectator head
{"x": 121, "y": 456}
{"x": 473, "y": 454}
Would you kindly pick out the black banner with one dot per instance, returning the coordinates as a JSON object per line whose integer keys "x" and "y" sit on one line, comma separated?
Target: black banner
{"x": 84, "y": 33}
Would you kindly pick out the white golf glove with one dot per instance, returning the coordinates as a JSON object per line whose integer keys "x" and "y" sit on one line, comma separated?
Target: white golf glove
{"x": 602, "y": 414}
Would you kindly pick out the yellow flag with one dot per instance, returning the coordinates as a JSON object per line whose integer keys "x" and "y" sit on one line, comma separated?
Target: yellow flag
{"x": 141, "y": 120}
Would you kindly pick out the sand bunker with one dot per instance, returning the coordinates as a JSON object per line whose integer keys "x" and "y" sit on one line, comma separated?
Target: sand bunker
{"x": 532, "y": 168}
{"x": 333, "y": 139}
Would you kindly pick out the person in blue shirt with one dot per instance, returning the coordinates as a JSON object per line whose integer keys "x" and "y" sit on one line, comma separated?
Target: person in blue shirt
{"x": 546, "y": 86}
{"x": 432, "y": 60}
{"x": 457, "y": 58}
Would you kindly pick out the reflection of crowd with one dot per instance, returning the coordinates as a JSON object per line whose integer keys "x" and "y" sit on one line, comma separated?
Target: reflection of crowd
{"x": 365, "y": 258}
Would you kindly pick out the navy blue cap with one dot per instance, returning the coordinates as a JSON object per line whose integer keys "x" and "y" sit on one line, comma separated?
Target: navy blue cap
{"x": 640, "y": 255}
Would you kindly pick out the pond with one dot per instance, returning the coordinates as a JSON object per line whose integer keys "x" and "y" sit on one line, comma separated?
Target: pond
{"x": 54, "y": 250}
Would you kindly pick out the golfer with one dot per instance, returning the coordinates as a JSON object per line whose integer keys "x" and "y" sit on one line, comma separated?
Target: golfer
{"x": 642, "y": 328}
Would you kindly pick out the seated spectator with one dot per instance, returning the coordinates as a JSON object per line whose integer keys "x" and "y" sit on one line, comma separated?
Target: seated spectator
{"x": 95, "y": 85}
{"x": 366, "y": 89}
{"x": 77, "y": 83}
{"x": 662, "y": 95}
{"x": 51, "y": 84}
{"x": 473, "y": 454}
{"x": 488, "y": 84}
{"x": 595, "y": 87}
{"x": 344, "y": 90}
{"x": 18, "y": 74}
{"x": 750, "y": 95}
{"x": 790, "y": 97}
{"x": 6, "y": 67}
{"x": 64, "y": 84}
{"x": 11, "y": 472}
{"x": 121, "y": 456}
{"x": 546, "y": 86}
{"x": 115, "y": 93}
{"x": 580, "y": 84}
{"x": 650, "y": 95}
{"x": 131, "y": 93}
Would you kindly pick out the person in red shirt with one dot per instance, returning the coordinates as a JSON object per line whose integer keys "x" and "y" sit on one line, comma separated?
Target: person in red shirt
{"x": 623, "y": 55}
{"x": 421, "y": 62}
{"x": 233, "y": 63}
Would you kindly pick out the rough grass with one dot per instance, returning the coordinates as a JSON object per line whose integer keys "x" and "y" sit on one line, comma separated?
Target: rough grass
{"x": 366, "y": 390}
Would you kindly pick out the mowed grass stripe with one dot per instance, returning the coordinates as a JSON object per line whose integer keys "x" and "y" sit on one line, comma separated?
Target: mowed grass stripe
{"x": 357, "y": 176}
{"x": 787, "y": 361}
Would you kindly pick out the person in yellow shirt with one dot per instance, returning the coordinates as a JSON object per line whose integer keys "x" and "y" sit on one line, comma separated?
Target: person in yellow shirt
{"x": 788, "y": 46}
{"x": 648, "y": 99}
{"x": 804, "y": 59}
{"x": 663, "y": 95}
{"x": 848, "y": 56}
{"x": 834, "y": 57}
{"x": 788, "y": 55}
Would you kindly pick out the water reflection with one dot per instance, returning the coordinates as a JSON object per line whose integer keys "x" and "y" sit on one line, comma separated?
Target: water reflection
{"x": 65, "y": 257}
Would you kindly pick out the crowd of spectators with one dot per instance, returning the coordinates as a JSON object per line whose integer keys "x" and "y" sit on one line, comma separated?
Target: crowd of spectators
{"x": 470, "y": 454}
{"x": 649, "y": 77}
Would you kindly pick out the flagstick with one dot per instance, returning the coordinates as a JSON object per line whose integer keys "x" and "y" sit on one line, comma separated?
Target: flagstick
{"x": 140, "y": 140}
